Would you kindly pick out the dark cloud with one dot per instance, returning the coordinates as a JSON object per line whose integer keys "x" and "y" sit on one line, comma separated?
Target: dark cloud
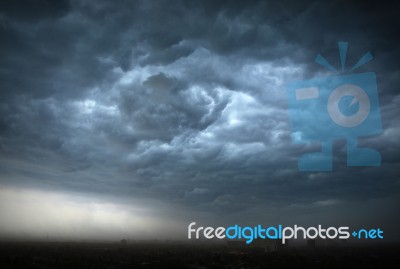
{"x": 30, "y": 10}
{"x": 185, "y": 102}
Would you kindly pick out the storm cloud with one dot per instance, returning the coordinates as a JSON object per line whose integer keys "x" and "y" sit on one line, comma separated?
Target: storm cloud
{"x": 184, "y": 103}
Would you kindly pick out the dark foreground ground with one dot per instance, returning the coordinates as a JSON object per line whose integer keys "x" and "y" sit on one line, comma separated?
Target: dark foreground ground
{"x": 182, "y": 255}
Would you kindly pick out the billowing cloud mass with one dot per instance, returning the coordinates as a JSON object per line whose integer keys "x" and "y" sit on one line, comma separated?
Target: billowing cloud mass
{"x": 183, "y": 104}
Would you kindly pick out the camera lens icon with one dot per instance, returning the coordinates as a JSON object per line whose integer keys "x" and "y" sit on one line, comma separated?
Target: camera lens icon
{"x": 358, "y": 96}
{"x": 342, "y": 106}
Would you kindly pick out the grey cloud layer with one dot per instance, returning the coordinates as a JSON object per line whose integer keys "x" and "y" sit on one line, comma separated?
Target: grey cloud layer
{"x": 183, "y": 101}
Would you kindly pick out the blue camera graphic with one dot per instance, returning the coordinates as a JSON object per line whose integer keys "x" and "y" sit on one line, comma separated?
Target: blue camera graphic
{"x": 343, "y": 106}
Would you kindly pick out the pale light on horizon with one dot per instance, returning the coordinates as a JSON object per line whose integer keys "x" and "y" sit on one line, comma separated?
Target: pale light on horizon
{"x": 44, "y": 215}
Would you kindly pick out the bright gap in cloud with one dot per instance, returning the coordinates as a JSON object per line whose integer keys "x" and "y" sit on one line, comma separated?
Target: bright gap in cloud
{"x": 42, "y": 215}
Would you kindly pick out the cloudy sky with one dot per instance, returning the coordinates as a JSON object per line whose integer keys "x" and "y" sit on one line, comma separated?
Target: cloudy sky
{"x": 135, "y": 118}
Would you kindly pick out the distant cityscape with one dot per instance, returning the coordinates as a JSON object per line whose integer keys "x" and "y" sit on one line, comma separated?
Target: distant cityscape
{"x": 199, "y": 255}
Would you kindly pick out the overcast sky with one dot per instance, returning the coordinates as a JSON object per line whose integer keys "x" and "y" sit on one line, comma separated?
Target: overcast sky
{"x": 135, "y": 118}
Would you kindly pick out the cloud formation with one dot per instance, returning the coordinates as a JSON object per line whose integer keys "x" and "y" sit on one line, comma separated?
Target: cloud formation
{"x": 184, "y": 102}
